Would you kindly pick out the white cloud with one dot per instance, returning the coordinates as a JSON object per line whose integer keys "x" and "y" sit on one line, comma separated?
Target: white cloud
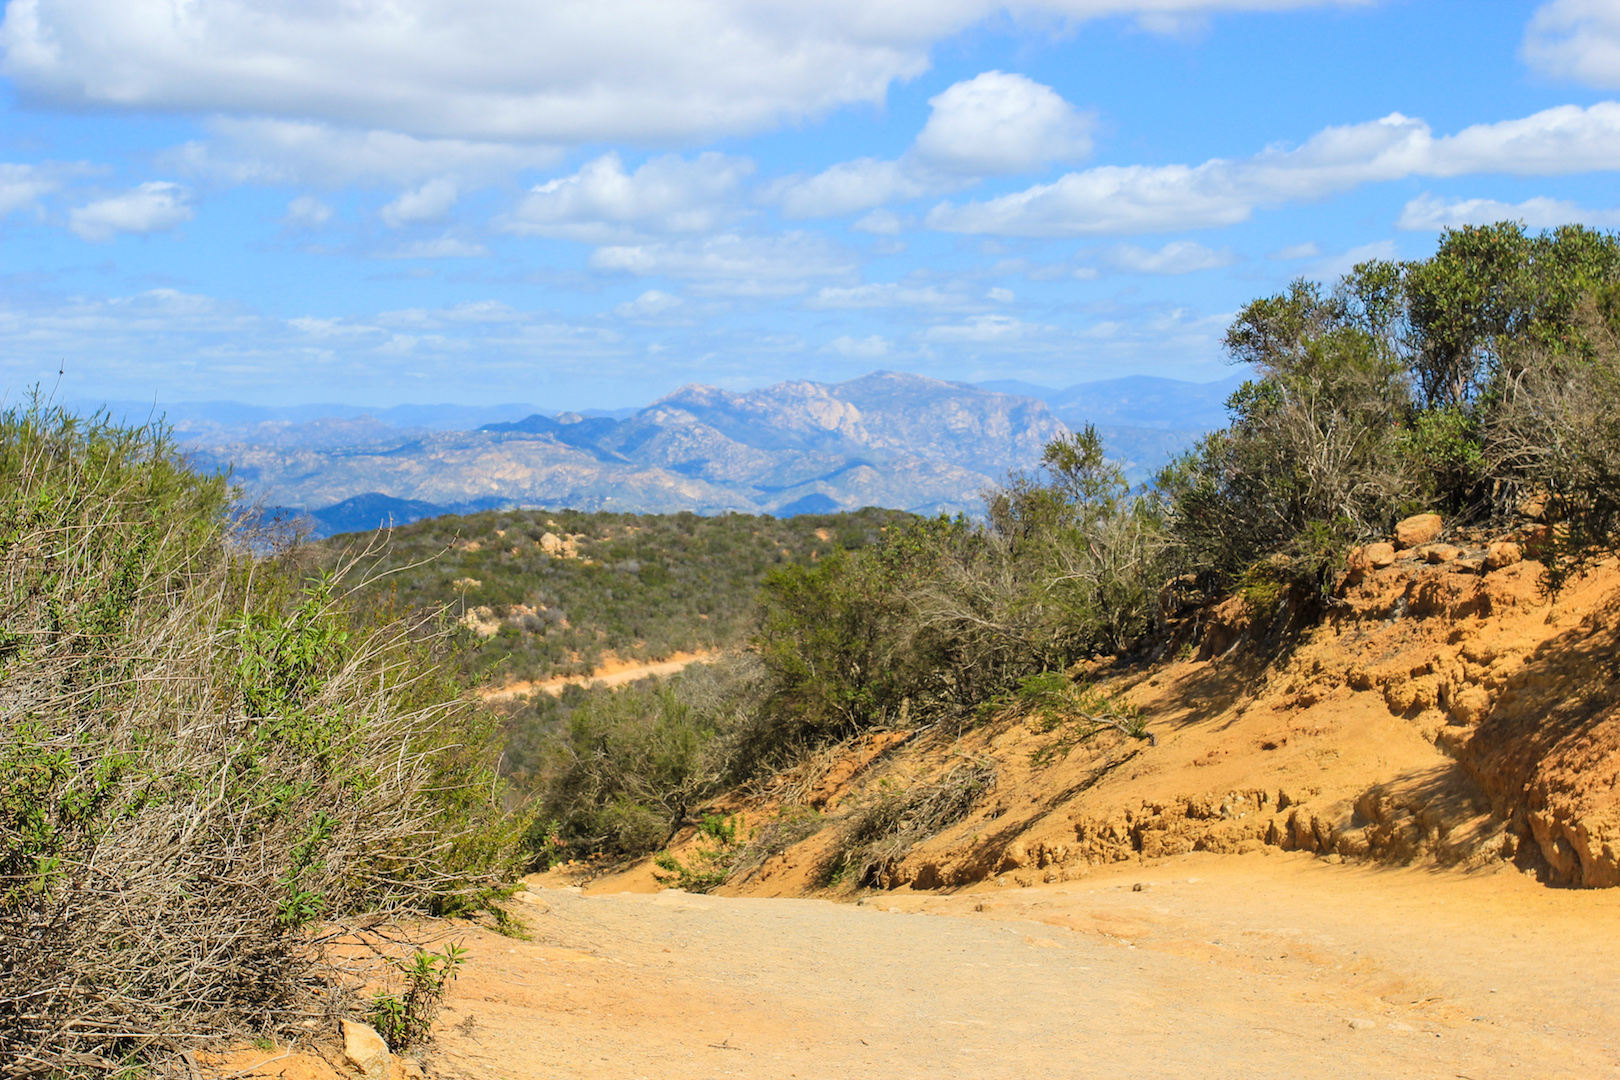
{"x": 846, "y": 188}
{"x": 989, "y": 125}
{"x": 733, "y": 264}
{"x": 265, "y": 151}
{"x": 430, "y": 202}
{"x": 1308, "y": 250}
{"x": 602, "y": 203}
{"x": 867, "y": 348}
{"x": 659, "y": 71}
{"x": 22, "y": 185}
{"x": 1184, "y": 26}
{"x": 1577, "y": 40}
{"x": 1001, "y": 296}
{"x": 984, "y": 329}
{"x": 1431, "y": 213}
{"x": 152, "y": 207}
{"x": 445, "y": 247}
{"x": 649, "y": 305}
{"x": 881, "y": 295}
{"x": 1177, "y": 257}
{"x": 880, "y": 222}
{"x": 332, "y": 327}
{"x": 1337, "y": 266}
{"x": 998, "y": 124}
{"x": 171, "y": 343}
{"x": 474, "y": 312}
{"x": 307, "y": 212}
{"x": 1141, "y": 199}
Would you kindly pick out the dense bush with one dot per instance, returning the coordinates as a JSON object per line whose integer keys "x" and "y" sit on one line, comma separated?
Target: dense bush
{"x": 617, "y": 772}
{"x": 934, "y": 620}
{"x": 1462, "y": 383}
{"x": 203, "y": 758}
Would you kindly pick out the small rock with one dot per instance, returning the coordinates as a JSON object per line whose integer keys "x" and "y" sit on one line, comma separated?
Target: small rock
{"x": 1537, "y": 541}
{"x": 1502, "y": 553}
{"x": 551, "y": 544}
{"x": 1398, "y": 1026}
{"x": 1379, "y": 555}
{"x": 1534, "y": 507}
{"x": 1334, "y": 859}
{"x": 412, "y": 1070}
{"x": 1418, "y": 529}
{"x": 1362, "y": 1024}
{"x": 1141, "y": 886}
{"x": 365, "y": 1050}
{"x": 1435, "y": 554}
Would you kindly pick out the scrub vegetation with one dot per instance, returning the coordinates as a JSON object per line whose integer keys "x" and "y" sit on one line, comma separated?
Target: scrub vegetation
{"x": 217, "y": 750}
{"x": 1477, "y": 383}
{"x": 210, "y": 763}
{"x": 636, "y": 586}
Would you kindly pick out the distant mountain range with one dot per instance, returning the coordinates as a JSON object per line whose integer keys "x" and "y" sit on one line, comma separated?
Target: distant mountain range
{"x": 887, "y": 439}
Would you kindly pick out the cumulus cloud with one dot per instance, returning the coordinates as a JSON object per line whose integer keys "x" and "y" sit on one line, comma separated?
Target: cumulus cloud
{"x": 1308, "y": 250}
{"x": 430, "y": 202}
{"x": 270, "y": 151}
{"x": 1141, "y": 199}
{"x": 509, "y": 70}
{"x": 22, "y": 185}
{"x": 998, "y": 124}
{"x": 866, "y": 348}
{"x": 1177, "y": 257}
{"x": 1577, "y": 40}
{"x": 602, "y": 203}
{"x": 445, "y": 247}
{"x": 170, "y": 342}
{"x": 882, "y": 295}
{"x": 1338, "y": 265}
{"x": 848, "y": 187}
{"x": 984, "y": 329}
{"x": 733, "y": 264}
{"x": 470, "y": 313}
{"x": 307, "y": 212}
{"x": 1431, "y": 213}
{"x": 649, "y": 305}
{"x": 152, "y": 207}
{"x": 990, "y": 125}
{"x": 880, "y": 222}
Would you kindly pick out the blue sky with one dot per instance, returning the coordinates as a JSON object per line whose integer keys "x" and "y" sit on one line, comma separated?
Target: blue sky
{"x": 590, "y": 204}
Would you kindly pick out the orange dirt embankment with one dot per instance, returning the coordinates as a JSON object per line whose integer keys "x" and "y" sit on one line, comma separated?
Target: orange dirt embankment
{"x": 1444, "y": 712}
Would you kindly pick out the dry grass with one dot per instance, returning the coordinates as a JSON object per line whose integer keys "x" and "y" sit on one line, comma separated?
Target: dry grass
{"x": 875, "y": 838}
{"x": 203, "y": 758}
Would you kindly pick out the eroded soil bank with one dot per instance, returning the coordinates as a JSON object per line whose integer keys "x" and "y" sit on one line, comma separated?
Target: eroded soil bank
{"x": 1441, "y": 713}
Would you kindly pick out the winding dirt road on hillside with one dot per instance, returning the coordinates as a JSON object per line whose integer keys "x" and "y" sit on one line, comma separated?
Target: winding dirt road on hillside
{"x": 1259, "y": 966}
{"x": 610, "y": 674}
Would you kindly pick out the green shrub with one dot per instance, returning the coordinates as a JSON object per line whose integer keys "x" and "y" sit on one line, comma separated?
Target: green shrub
{"x": 405, "y": 1020}
{"x": 202, "y": 754}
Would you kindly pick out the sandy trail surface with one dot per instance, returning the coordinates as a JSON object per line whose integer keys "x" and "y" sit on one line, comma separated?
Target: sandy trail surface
{"x": 612, "y": 673}
{"x": 1254, "y": 967}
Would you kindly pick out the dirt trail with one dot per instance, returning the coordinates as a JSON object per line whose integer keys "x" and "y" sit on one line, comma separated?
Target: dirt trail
{"x": 611, "y": 673}
{"x": 1255, "y": 966}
